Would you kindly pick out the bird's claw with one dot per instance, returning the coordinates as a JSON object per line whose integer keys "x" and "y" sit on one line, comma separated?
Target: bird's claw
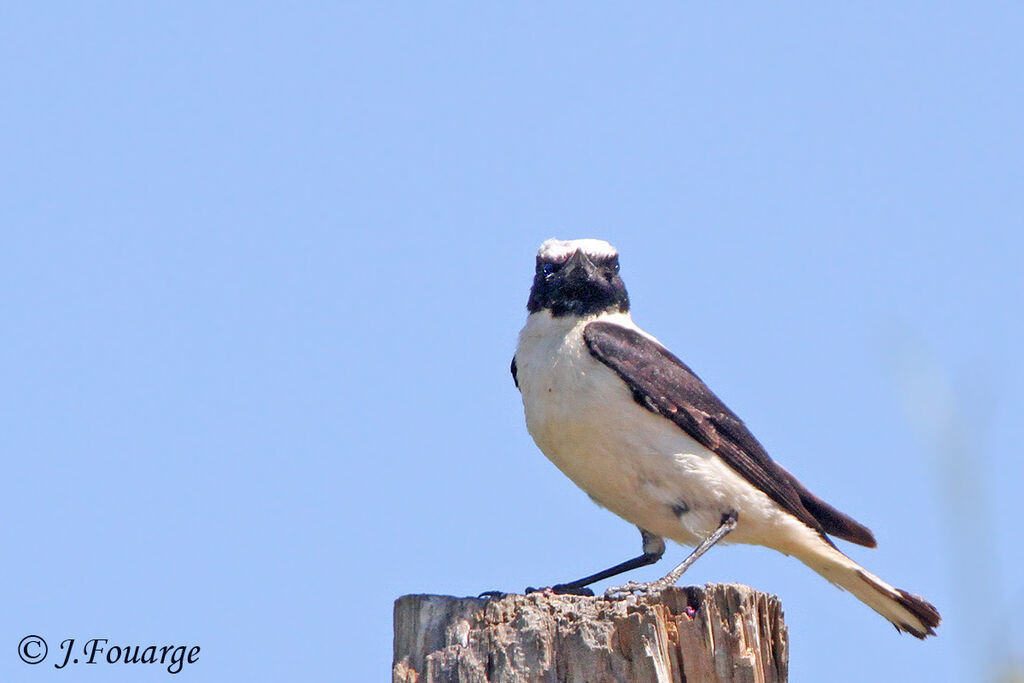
{"x": 562, "y": 589}
{"x": 624, "y": 591}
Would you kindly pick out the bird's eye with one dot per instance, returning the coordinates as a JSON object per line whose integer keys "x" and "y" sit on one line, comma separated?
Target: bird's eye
{"x": 548, "y": 269}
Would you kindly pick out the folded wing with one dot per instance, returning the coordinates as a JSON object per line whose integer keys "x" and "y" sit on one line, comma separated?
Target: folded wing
{"x": 663, "y": 384}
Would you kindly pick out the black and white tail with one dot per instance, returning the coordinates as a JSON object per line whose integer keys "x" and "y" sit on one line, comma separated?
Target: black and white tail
{"x": 907, "y": 612}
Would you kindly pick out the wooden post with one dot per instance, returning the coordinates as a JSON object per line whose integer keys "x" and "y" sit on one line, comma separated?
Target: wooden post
{"x": 721, "y": 632}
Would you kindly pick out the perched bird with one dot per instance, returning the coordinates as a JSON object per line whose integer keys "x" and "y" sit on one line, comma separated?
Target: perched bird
{"x": 637, "y": 430}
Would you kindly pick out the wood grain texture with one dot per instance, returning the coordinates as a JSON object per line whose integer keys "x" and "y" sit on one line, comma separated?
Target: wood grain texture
{"x": 719, "y": 632}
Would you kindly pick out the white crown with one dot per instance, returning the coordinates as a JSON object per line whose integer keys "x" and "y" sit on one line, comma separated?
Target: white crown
{"x": 556, "y": 250}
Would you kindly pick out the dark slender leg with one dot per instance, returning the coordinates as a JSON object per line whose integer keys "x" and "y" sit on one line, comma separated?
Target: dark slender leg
{"x": 621, "y": 568}
{"x": 727, "y": 525}
{"x": 654, "y": 548}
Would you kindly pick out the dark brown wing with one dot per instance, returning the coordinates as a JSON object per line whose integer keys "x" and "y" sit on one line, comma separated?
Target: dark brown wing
{"x": 663, "y": 384}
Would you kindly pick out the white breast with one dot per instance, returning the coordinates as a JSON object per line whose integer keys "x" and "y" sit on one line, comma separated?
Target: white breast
{"x": 635, "y": 463}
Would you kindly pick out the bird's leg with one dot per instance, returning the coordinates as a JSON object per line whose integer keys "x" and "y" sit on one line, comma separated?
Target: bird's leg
{"x": 654, "y": 548}
{"x": 727, "y": 525}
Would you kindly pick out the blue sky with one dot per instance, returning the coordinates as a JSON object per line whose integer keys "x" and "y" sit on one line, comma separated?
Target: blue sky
{"x": 262, "y": 268}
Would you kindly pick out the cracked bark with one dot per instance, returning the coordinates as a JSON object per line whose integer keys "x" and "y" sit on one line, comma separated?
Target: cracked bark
{"x": 719, "y": 632}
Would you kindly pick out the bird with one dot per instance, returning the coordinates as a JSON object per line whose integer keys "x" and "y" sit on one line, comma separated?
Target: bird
{"x": 636, "y": 429}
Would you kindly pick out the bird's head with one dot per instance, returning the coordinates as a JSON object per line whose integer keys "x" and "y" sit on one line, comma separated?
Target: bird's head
{"x": 577, "y": 277}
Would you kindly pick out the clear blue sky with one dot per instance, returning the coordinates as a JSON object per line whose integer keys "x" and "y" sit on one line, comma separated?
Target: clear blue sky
{"x": 262, "y": 268}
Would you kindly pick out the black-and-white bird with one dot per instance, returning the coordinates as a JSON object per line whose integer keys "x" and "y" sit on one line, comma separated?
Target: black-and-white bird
{"x": 637, "y": 430}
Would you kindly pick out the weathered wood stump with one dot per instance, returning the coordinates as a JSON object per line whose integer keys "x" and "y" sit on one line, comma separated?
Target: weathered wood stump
{"x": 721, "y": 632}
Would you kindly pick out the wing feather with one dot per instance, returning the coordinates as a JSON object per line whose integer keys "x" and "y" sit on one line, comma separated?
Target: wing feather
{"x": 663, "y": 384}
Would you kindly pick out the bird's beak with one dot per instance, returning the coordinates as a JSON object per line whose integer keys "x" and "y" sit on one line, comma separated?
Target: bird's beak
{"x": 579, "y": 266}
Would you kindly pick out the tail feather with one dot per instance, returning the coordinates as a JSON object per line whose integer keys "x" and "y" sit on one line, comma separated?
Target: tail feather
{"x": 925, "y": 614}
{"x": 907, "y": 612}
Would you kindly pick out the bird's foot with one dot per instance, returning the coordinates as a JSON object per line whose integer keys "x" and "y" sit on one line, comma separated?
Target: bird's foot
{"x": 492, "y": 595}
{"x": 624, "y": 591}
{"x": 562, "y": 589}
